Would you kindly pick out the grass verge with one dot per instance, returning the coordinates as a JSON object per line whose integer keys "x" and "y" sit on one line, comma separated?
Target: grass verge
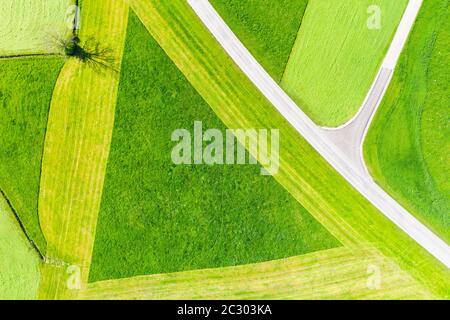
{"x": 340, "y": 273}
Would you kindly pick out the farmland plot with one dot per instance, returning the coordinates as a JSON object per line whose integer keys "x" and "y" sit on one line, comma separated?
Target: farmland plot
{"x": 26, "y": 87}
{"x": 30, "y": 26}
{"x": 338, "y": 51}
{"x": 267, "y": 28}
{"x": 408, "y": 145}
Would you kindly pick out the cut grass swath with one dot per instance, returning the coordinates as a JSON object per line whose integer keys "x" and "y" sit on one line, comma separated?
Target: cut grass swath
{"x": 341, "y": 273}
{"x": 267, "y": 28}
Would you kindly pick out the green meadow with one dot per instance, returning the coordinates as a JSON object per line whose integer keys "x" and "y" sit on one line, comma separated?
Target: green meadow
{"x": 408, "y": 146}
{"x": 158, "y": 217}
{"x": 26, "y": 86}
{"x": 336, "y": 56}
{"x": 267, "y": 28}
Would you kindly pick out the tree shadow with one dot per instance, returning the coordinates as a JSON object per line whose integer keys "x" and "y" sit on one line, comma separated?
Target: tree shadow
{"x": 90, "y": 52}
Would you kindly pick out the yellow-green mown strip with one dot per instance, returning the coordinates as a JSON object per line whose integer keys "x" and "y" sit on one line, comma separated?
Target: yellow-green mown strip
{"x": 342, "y": 273}
{"x": 314, "y": 183}
{"x": 77, "y": 145}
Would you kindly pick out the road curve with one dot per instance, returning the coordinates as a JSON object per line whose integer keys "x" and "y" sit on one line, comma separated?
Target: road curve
{"x": 315, "y": 136}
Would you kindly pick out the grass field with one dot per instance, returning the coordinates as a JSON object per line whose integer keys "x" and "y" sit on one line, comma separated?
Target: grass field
{"x": 25, "y": 92}
{"x": 341, "y": 273}
{"x": 28, "y": 26}
{"x": 267, "y": 28}
{"x": 19, "y": 263}
{"x": 77, "y": 145}
{"x": 407, "y": 148}
{"x": 158, "y": 217}
{"x": 336, "y": 56}
{"x": 322, "y": 191}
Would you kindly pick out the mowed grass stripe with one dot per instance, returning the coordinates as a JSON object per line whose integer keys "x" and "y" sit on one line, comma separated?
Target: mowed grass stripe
{"x": 77, "y": 141}
{"x": 322, "y": 191}
{"x": 340, "y": 273}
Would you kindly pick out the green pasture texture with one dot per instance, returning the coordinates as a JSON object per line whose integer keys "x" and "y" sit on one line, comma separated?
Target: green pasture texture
{"x": 19, "y": 263}
{"x": 306, "y": 175}
{"x": 407, "y": 148}
{"x": 157, "y": 217}
{"x": 30, "y": 26}
{"x": 336, "y": 56}
{"x": 26, "y": 87}
{"x": 267, "y": 28}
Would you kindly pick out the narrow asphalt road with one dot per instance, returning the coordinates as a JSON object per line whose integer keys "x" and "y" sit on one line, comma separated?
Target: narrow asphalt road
{"x": 315, "y": 135}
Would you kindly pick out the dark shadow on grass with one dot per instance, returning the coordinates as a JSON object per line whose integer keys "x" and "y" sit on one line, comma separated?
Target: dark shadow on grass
{"x": 90, "y": 52}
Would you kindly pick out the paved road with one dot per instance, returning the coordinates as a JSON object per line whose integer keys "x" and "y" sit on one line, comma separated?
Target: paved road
{"x": 349, "y": 138}
{"x": 315, "y": 136}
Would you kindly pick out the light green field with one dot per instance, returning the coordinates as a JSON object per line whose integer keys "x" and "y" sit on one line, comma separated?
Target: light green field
{"x": 267, "y": 28}
{"x": 336, "y": 56}
{"x": 341, "y": 273}
{"x": 19, "y": 263}
{"x": 408, "y": 146}
{"x": 322, "y": 191}
{"x": 29, "y": 26}
{"x": 26, "y": 87}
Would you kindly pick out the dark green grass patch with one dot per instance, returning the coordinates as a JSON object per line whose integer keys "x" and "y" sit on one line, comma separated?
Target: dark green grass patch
{"x": 267, "y": 28}
{"x": 26, "y": 87}
{"x": 157, "y": 217}
{"x": 408, "y": 146}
